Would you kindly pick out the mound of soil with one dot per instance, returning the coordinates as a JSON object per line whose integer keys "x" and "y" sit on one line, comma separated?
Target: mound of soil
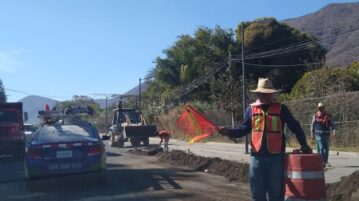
{"x": 233, "y": 171}
{"x": 345, "y": 190}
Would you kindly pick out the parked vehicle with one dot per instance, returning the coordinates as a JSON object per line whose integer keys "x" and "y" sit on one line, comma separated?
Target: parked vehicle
{"x": 12, "y": 138}
{"x": 29, "y": 129}
{"x": 64, "y": 144}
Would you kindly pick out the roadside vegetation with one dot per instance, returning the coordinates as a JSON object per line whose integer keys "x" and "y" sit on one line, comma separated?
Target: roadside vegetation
{"x": 196, "y": 69}
{"x": 205, "y": 69}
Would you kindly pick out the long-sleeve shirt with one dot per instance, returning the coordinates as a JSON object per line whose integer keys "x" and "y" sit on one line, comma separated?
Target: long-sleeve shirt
{"x": 286, "y": 118}
{"x": 331, "y": 123}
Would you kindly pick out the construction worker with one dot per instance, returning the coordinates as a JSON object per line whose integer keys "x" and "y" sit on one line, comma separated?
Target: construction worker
{"x": 265, "y": 120}
{"x": 165, "y": 137}
{"x": 321, "y": 125}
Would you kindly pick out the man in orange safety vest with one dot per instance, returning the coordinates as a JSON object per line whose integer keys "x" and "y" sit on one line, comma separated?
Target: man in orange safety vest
{"x": 265, "y": 120}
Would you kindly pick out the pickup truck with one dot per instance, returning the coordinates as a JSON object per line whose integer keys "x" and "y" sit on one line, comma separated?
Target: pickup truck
{"x": 12, "y": 137}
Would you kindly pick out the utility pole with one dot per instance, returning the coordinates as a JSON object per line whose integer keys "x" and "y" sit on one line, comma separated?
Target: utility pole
{"x": 139, "y": 95}
{"x": 231, "y": 80}
{"x": 244, "y": 83}
{"x": 106, "y": 120}
{"x": 106, "y": 105}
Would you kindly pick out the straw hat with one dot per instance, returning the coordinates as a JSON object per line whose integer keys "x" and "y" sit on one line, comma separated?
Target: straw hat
{"x": 320, "y": 104}
{"x": 265, "y": 86}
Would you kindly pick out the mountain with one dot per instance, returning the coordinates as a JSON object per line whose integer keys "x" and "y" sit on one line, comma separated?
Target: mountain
{"x": 32, "y": 104}
{"x": 330, "y": 22}
{"x": 113, "y": 101}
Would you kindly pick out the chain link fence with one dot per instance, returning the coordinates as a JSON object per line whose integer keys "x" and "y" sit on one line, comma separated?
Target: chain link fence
{"x": 344, "y": 109}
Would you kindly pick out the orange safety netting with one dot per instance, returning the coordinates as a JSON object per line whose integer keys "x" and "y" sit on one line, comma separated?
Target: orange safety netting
{"x": 195, "y": 124}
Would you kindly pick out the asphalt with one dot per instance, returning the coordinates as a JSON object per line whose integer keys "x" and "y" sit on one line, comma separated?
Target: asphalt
{"x": 128, "y": 177}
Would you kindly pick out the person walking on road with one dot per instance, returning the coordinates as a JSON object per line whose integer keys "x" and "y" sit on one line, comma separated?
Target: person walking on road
{"x": 165, "y": 137}
{"x": 322, "y": 122}
{"x": 265, "y": 120}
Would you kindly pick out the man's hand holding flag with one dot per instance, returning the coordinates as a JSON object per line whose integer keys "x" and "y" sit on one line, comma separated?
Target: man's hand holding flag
{"x": 195, "y": 124}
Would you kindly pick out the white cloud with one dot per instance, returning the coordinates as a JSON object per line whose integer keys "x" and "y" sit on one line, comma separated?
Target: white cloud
{"x": 12, "y": 60}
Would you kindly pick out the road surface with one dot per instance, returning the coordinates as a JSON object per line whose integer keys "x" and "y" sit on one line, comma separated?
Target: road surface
{"x": 128, "y": 177}
{"x": 134, "y": 177}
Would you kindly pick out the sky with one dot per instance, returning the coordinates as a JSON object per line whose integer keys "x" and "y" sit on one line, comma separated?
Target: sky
{"x": 61, "y": 48}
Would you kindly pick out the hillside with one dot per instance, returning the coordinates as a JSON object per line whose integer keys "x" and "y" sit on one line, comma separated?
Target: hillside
{"x": 331, "y": 20}
{"x": 32, "y": 104}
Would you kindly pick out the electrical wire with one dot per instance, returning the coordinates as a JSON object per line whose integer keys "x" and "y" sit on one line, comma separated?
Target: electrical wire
{"x": 298, "y": 46}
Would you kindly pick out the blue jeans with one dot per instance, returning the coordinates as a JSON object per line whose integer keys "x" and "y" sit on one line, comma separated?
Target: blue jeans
{"x": 266, "y": 176}
{"x": 323, "y": 146}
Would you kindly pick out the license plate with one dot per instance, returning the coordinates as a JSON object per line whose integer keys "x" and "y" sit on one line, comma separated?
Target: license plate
{"x": 64, "y": 154}
{"x": 65, "y": 166}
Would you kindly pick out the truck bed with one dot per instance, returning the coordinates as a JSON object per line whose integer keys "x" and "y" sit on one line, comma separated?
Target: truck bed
{"x": 141, "y": 131}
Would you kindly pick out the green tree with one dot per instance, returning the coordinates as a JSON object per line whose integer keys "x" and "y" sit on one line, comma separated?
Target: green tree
{"x": 326, "y": 81}
{"x": 263, "y": 36}
{"x": 3, "y": 97}
{"x": 189, "y": 58}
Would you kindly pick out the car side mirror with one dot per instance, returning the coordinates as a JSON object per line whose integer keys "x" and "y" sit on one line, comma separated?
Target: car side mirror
{"x": 105, "y": 137}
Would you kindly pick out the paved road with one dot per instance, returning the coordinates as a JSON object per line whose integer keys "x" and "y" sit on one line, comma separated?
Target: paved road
{"x": 128, "y": 177}
{"x": 133, "y": 177}
{"x": 342, "y": 165}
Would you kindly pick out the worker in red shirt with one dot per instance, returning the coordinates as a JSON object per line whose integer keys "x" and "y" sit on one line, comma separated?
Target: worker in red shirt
{"x": 165, "y": 137}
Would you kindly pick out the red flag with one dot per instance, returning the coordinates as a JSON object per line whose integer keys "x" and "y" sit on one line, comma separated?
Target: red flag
{"x": 47, "y": 108}
{"x": 195, "y": 124}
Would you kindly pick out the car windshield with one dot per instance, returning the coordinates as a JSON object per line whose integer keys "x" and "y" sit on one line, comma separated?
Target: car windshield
{"x": 8, "y": 116}
{"x": 132, "y": 115}
{"x": 63, "y": 133}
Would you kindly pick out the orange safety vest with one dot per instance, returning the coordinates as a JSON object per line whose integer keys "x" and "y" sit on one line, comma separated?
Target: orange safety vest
{"x": 270, "y": 121}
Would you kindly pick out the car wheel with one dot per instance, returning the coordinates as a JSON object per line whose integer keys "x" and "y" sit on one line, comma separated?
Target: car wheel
{"x": 112, "y": 141}
{"x": 135, "y": 142}
{"x": 146, "y": 141}
{"x": 28, "y": 174}
{"x": 121, "y": 144}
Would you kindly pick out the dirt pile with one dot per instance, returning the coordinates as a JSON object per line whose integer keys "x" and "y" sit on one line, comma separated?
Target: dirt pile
{"x": 345, "y": 190}
{"x": 233, "y": 171}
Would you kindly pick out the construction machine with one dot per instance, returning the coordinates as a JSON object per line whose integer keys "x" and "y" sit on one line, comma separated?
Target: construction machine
{"x": 128, "y": 124}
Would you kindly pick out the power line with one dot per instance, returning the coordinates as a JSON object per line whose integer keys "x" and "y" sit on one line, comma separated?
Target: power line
{"x": 296, "y": 47}
{"x": 292, "y": 65}
{"x": 321, "y": 97}
{"x": 47, "y": 96}
{"x": 287, "y": 38}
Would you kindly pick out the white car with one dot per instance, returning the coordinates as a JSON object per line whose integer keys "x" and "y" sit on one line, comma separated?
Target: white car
{"x": 29, "y": 129}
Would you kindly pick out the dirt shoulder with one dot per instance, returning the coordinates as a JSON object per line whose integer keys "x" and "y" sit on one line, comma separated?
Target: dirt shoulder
{"x": 345, "y": 190}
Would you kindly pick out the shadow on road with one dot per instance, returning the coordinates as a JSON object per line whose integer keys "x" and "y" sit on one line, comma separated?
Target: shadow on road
{"x": 113, "y": 184}
{"x": 113, "y": 165}
{"x": 112, "y": 154}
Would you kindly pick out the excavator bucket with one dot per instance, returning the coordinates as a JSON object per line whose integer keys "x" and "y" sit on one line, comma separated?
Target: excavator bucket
{"x": 141, "y": 131}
